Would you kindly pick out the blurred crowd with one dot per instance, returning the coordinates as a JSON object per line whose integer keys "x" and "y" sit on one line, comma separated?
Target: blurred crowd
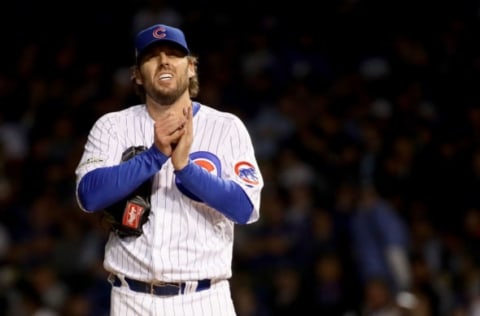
{"x": 365, "y": 117}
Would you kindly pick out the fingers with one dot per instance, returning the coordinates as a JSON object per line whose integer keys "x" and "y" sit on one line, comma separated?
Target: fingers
{"x": 173, "y": 128}
{"x": 181, "y": 153}
{"x": 170, "y": 123}
{"x": 167, "y": 131}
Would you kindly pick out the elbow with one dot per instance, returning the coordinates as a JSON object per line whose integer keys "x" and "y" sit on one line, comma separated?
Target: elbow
{"x": 86, "y": 204}
{"x": 85, "y": 199}
{"x": 243, "y": 208}
{"x": 243, "y": 216}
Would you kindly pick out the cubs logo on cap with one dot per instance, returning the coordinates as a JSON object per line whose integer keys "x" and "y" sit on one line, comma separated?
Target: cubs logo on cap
{"x": 157, "y": 33}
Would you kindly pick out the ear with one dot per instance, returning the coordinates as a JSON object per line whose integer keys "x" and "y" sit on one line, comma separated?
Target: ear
{"x": 191, "y": 69}
{"x": 136, "y": 76}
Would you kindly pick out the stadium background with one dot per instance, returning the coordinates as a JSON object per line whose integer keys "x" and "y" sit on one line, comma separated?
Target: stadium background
{"x": 338, "y": 96}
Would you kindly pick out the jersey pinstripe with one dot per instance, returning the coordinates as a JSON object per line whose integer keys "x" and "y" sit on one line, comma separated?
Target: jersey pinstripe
{"x": 183, "y": 239}
{"x": 215, "y": 302}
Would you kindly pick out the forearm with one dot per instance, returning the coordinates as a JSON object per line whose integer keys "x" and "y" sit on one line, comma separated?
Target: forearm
{"x": 225, "y": 196}
{"x": 102, "y": 187}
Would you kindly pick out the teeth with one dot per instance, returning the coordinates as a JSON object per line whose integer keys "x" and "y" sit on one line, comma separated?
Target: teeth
{"x": 166, "y": 76}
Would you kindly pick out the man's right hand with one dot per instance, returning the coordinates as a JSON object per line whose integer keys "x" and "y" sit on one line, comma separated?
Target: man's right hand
{"x": 181, "y": 153}
{"x": 168, "y": 129}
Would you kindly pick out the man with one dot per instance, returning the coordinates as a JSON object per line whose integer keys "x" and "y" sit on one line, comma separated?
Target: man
{"x": 381, "y": 240}
{"x": 201, "y": 169}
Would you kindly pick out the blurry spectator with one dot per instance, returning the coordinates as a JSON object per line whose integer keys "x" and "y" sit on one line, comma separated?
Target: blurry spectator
{"x": 269, "y": 129}
{"x": 379, "y": 299}
{"x": 329, "y": 286}
{"x": 372, "y": 142}
{"x": 381, "y": 242}
{"x": 79, "y": 305}
{"x": 321, "y": 235}
{"x": 270, "y": 243}
{"x": 13, "y": 140}
{"x": 288, "y": 295}
{"x": 346, "y": 101}
{"x": 427, "y": 263}
{"x": 395, "y": 174}
{"x": 293, "y": 171}
{"x": 249, "y": 295}
{"x": 52, "y": 290}
{"x": 155, "y": 11}
{"x": 37, "y": 293}
{"x": 258, "y": 63}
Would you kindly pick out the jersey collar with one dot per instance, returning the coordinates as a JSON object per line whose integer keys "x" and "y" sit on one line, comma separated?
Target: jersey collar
{"x": 195, "y": 107}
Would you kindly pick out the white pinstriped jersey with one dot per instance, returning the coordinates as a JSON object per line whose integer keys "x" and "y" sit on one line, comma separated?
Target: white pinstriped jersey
{"x": 183, "y": 239}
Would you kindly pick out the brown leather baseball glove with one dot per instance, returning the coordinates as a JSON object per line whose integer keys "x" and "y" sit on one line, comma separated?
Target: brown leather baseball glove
{"x": 127, "y": 216}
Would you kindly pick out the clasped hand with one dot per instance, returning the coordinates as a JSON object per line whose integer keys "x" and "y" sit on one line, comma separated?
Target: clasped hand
{"x": 174, "y": 136}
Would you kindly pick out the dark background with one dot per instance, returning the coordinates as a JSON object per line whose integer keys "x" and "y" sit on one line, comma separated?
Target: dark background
{"x": 338, "y": 96}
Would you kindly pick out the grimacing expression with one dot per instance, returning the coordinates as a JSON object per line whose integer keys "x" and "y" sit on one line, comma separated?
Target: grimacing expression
{"x": 164, "y": 72}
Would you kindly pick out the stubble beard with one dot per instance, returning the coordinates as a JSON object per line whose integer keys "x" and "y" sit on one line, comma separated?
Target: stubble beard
{"x": 166, "y": 96}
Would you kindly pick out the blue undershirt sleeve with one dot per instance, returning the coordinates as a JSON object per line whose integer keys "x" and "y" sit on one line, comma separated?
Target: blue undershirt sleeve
{"x": 224, "y": 195}
{"x": 102, "y": 187}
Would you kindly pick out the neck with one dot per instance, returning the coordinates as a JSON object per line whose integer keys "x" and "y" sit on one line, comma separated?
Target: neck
{"x": 155, "y": 110}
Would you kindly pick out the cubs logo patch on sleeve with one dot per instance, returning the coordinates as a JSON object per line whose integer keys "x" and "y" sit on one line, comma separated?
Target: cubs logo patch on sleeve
{"x": 247, "y": 173}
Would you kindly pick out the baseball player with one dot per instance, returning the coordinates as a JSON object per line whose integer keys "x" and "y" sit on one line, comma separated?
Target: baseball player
{"x": 204, "y": 180}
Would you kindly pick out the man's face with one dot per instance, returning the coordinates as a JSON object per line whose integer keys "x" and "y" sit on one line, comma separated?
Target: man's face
{"x": 164, "y": 72}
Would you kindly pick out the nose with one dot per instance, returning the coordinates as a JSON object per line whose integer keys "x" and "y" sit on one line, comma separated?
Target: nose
{"x": 162, "y": 57}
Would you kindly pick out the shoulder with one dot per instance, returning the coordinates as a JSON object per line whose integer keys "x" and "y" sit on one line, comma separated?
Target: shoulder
{"x": 207, "y": 111}
{"x": 138, "y": 111}
{"x": 227, "y": 123}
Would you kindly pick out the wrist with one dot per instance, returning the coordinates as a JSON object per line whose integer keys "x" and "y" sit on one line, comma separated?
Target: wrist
{"x": 180, "y": 166}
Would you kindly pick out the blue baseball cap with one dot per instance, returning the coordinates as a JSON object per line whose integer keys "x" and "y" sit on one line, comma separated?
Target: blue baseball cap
{"x": 157, "y": 33}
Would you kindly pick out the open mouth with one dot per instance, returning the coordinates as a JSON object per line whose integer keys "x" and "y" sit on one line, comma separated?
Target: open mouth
{"x": 166, "y": 77}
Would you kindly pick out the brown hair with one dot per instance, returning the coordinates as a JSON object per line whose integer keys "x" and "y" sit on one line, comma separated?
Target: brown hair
{"x": 193, "y": 86}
